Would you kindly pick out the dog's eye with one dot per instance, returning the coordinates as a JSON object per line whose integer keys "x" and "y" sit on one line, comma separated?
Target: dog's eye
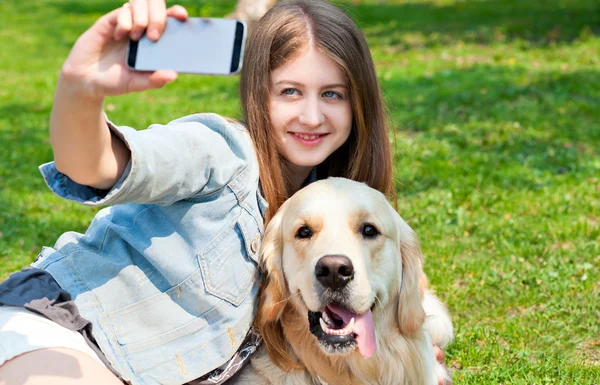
{"x": 369, "y": 231}
{"x": 304, "y": 232}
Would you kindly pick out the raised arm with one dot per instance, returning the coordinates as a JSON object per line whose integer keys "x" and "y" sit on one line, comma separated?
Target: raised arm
{"x": 84, "y": 148}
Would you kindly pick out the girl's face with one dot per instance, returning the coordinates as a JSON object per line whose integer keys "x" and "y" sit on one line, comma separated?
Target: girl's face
{"x": 310, "y": 109}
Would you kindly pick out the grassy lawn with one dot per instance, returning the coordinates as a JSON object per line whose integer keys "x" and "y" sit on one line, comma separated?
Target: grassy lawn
{"x": 496, "y": 112}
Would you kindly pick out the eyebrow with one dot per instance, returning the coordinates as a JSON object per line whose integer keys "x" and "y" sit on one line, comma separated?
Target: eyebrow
{"x": 296, "y": 84}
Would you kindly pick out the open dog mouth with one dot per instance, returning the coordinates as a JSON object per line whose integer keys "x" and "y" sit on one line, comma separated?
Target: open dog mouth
{"x": 340, "y": 331}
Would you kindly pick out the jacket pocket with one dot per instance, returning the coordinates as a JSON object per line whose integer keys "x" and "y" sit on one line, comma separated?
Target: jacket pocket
{"x": 228, "y": 262}
{"x": 153, "y": 322}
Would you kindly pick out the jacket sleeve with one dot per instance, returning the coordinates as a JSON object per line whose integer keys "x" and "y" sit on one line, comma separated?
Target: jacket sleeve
{"x": 188, "y": 158}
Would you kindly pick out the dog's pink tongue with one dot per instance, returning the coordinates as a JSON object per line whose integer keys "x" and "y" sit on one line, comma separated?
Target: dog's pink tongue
{"x": 363, "y": 328}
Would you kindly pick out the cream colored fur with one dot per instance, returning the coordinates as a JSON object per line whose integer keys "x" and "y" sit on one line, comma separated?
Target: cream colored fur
{"x": 408, "y": 318}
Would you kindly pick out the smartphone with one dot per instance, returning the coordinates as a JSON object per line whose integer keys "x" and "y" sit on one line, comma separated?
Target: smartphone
{"x": 195, "y": 46}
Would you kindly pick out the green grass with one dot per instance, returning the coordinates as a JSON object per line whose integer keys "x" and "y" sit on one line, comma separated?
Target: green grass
{"x": 496, "y": 109}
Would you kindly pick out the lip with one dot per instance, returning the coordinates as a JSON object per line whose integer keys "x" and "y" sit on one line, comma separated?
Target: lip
{"x": 308, "y": 139}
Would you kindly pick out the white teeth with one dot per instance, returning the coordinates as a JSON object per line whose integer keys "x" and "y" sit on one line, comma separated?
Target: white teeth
{"x": 307, "y": 137}
{"x": 338, "y": 332}
{"x": 327, "y": 319}
{"x": 350, "y": 325}
{"x": 324, "y": 326}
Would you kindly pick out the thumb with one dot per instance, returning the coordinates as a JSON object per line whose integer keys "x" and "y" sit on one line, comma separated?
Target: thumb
{"x": 141, "y": 81}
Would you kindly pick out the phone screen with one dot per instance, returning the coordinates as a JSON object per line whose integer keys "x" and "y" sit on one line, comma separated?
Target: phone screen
{"x": 198, "y": 46}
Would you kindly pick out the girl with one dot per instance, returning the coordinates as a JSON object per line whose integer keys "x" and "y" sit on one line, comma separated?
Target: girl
{"x": 162, "y": 286}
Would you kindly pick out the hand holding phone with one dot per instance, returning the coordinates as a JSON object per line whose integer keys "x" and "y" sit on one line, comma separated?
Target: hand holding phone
{"x": 196, "y": 45}
{"x": 96, "y": 66}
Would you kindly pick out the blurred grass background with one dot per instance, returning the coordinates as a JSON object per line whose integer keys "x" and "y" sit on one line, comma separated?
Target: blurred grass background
{"x": 496, "y": 111}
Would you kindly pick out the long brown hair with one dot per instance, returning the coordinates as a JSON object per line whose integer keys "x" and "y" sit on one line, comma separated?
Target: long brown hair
{"x": 280, "y": 36}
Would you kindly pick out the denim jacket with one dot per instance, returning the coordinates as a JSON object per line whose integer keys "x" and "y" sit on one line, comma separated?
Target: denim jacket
{"x": 168, "y": 273}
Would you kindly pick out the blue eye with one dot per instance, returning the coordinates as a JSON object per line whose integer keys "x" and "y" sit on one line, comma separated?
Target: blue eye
{"x": 289, "y": 91}
{"x": 332, "y": 95}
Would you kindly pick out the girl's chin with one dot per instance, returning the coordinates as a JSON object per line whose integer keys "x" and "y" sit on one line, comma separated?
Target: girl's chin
{"x": 300, "y": 163}
{"x": 299, "y": 159}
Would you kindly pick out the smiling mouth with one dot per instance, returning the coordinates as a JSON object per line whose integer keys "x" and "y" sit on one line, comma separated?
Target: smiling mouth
{"x": 340, "y": 331}
{"x": 308, "y": 138}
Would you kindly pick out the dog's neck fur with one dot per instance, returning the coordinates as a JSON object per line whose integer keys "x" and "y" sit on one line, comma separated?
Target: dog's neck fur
{"x": 384, "y": 368}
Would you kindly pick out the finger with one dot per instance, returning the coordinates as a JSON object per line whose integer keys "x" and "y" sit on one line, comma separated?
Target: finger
{"x": 178, "y": 12}
{"x": 157, "y": 17}
{"x": 139, "y": 10}
{"x": 162, "y": 77}
{"x": 124, "y": 22}
{"x": 148, "y": 80}
{"x": 106, "y": 25}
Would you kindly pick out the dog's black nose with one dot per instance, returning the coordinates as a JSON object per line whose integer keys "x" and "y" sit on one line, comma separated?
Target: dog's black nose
{"x": 334, "y": 271}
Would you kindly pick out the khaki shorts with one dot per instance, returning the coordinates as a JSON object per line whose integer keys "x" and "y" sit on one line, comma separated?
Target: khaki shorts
{"x": 23, "y": 331}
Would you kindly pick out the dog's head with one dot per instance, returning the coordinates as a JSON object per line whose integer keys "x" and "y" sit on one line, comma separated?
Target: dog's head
{"x": 339, "y": 255}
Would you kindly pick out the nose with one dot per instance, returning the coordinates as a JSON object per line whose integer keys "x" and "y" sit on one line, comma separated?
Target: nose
{"x": 334, "y": 271}
{"x": 311, "y": 114}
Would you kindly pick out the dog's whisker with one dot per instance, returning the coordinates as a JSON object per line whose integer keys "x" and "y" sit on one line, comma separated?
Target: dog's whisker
{"x": 285, "y": 299}
{"x": 378, "y": 300}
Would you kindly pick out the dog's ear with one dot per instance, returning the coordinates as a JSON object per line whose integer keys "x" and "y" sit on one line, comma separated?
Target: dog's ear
{"x": 273, "y": 288}
{"x": 273, "y": 295}
{"x": 411, "y": 314}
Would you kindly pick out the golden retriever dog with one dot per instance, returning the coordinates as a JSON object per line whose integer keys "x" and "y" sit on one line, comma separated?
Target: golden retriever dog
{"x": 344, "y": 298}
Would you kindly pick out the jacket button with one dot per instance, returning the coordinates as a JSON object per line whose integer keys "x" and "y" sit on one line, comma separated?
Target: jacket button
{"x": 255, "y": 244}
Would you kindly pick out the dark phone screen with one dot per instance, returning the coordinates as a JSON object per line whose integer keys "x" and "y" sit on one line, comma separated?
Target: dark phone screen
{"x": 237, "y": 47}
{"x": 132, "y": 54}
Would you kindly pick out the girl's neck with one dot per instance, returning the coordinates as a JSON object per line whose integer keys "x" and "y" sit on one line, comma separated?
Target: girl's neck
{"x": 296, "y": 175}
